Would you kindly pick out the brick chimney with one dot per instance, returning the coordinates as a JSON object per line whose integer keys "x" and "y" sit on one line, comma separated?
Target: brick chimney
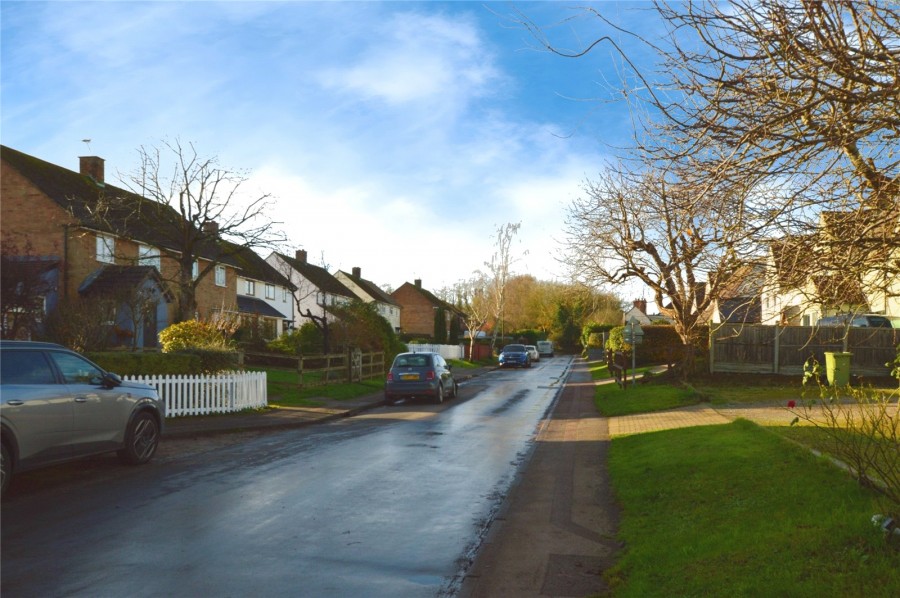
{"x": 300, "y": 254}
{"x": 357, "y": 272}
{"x": 641, "y": 304}
{"x": 418, "y": 283}
{"x": 211, "y": 228}
{"x": 92, "y": 166}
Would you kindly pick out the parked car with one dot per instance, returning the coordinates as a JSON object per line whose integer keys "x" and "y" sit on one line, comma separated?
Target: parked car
{"x": 420, "y": 375}
{"x": 533, "y": 353}
{"x": 545, "y": 348}
{"x": 58, "y": 406}
{"x": 515, "y": 356}
{"x": 857, "y": 321}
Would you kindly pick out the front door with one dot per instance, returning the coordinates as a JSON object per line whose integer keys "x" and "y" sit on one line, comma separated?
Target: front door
{"x": 150, "y": 331}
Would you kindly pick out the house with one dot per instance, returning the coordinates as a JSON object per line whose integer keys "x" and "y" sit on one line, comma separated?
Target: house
{"x": 103, "y": 238}
{"x": 739, "y": 300}
{"x": 418, "y": 309}
{"x": 639, "y": 310}
{"x": 369, "y": 292}
{"x": 314, "y": 288}
{"x": 814, "y": 275}
{"x": 264, "y": 296}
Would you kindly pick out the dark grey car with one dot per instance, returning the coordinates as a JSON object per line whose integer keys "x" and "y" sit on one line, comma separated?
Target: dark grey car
{"x": 419, "y": 375}
{"x": 58, "y": 406}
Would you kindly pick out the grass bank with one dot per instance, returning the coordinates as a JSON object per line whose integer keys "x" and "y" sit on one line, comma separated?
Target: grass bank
{"x": 738, "y": 511}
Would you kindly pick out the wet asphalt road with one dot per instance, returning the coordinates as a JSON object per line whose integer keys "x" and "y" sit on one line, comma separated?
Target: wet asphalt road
{"x": 391, "y": 503}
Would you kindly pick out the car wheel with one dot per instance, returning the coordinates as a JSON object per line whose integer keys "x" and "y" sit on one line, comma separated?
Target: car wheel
{"x": 454, "y": 390}
{"x": 141, "y": 440}
{"x": 5, "y": 468}
{"x": 439, "y": 395}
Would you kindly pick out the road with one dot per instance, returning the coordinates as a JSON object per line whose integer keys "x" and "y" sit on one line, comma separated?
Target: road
{"x": 394, "y": 502}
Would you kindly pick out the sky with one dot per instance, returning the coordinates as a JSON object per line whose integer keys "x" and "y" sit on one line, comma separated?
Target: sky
{"x": 396, "y": 137}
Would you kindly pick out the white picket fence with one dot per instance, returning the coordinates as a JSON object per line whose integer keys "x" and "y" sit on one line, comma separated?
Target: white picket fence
{"x": 201, "y": 395}
{"x": 445, "y": 351}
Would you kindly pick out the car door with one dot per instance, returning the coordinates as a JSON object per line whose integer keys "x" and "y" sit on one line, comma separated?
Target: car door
{"x": 99, "y": 414}
{"x": 37, "y": 407}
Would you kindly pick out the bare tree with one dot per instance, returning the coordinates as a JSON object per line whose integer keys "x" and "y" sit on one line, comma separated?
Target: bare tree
{"x": 189, "y": 203}
{"x": 500, "y": 269}
{"x": 475, "y": 303}
{"x": 796, "y": 104}
{"x": 667, "y": 232}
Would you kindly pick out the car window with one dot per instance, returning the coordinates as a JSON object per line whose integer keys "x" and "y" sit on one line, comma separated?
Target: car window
{"x": 514, "y": 349}
{"x": 418, "y": 361}
{"x": 25, "y": 367}
{"x": 75, "y": 369}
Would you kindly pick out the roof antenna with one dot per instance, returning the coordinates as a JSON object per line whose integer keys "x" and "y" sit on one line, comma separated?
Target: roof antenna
{"x": 87, "y": 142}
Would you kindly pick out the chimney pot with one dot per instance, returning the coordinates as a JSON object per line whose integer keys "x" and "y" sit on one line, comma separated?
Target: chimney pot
{"x": 92, "y": 166}
{"x": 300, "y": 254}
{"x": 211, "y": 228}
{"x": 641, "y": 304}
{"x": 418, "y": 283}
{"x": 357, "y": 272}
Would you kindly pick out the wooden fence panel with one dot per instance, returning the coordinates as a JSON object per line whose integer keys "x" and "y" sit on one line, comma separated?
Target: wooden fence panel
{"x": 785, "y": 349}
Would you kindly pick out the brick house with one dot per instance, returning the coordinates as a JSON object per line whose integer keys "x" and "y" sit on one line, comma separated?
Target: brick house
{"x": 418, "y": 310}
{"x": 101, "y": 244}
{"x": 368, "y": 291}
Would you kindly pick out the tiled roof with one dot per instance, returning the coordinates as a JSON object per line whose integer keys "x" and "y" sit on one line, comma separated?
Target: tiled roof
{"x": 252, "y": 266}
{"x": 318, "y": 276}
{"x": 372, "y": 289}
{"x": 113, "y": 278}
{"x": 252, "y": 305}
{"x": 106, "y": 208}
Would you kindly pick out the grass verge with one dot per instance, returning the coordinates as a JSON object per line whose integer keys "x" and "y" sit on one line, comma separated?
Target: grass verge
{"x": 735, "y": 510}
{"x": 283, "y": 389}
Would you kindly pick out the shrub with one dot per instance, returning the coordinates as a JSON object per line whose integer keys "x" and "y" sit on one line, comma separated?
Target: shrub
{"x": 147, "y": 364}
{"x": 192, "y": 334}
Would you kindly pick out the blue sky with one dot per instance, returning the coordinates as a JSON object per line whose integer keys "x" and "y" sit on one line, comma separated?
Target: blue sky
{"x": 395, "y": 137}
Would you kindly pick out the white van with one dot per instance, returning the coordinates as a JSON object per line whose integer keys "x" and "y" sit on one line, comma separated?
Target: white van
{"x": 545, "y": 348}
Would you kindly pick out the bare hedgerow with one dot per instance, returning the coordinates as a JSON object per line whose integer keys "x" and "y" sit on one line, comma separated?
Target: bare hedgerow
{"x": 862, "y": 427}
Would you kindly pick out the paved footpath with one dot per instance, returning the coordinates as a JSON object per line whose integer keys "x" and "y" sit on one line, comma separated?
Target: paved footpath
{"x": 556, "y": 533}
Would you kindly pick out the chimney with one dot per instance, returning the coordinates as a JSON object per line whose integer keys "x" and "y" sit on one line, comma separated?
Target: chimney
{"x": 641, "y": 304}
{"x": 357, "y": 272}
{"x": 92, "y": 166}
{"x": 301, "y": 256}
{"x": 418, "y": 282}
{"x": 211, "y": 228}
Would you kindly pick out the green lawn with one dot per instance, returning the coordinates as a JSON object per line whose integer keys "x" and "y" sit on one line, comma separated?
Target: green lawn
{"x": 283, "y": 389}
{"x": 735, "y": 510}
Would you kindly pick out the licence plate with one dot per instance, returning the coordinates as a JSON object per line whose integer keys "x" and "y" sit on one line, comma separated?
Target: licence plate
{"x": 409, "y": 376}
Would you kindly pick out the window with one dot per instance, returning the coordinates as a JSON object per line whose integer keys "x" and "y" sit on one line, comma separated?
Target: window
{"x": 148, "y": 256}
{"x": 270, "y": 291}
{"x": 284, "y": 294}
{"x": 220, "y": 276}
{"x": 249, "y": 287}
{"x": 106, "y": 249}
{"x": 26, "y": 367}
{"x": 195, "y": 270}
{"x": 76, "y": 370}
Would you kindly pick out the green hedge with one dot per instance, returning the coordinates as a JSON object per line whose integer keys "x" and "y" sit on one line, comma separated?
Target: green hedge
{"x": 192, "y": 361}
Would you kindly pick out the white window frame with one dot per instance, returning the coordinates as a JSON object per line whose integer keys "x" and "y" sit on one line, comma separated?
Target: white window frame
{"x": 221, "y": 278}
{"x": 106, "y": 249}
{"x": 149, "y": 256}
{"x": 195, "y": 270}
{"x": 270, "y": 291}
{"x": 249, "y": 287}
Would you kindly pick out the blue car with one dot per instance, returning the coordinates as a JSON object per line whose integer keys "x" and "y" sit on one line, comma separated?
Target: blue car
{"x": 515, "y": 356}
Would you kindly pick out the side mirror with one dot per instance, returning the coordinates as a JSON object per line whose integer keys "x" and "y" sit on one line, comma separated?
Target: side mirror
{"x": 111, "y": 380}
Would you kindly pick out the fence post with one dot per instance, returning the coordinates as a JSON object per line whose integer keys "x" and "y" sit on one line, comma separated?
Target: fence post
{"x": 775, "y": 367}
{"x": 712, "y": 350}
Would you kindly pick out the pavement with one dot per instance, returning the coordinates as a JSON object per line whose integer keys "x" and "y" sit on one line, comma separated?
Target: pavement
{"x": 556, "y": 532}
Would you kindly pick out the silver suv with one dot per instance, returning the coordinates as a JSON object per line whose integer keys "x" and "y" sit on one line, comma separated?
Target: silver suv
{"x": 58, "y": 406}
